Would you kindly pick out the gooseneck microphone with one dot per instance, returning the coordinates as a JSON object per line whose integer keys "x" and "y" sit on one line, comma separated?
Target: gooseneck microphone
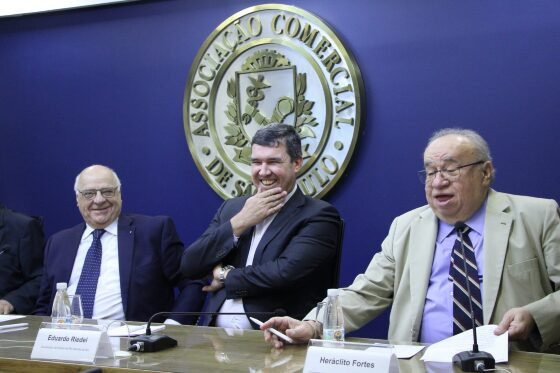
{"x": 475, "y": 360}
{"x": 157, "y": 342}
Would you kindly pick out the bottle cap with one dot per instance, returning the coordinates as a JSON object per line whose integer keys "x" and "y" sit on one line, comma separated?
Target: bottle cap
{"x": 61, "y": 286}
{"x": 332, "y": 292}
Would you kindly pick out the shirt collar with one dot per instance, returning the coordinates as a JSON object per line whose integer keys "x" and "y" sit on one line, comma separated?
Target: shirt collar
{"x": 289, "y": 195}
{"x": 475, "y": 222}
{"x": 112, "y": 228}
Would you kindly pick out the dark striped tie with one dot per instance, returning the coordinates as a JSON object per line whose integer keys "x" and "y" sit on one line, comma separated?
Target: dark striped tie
{"x": 461, "y": 309}
{"x": 87, "y": 286}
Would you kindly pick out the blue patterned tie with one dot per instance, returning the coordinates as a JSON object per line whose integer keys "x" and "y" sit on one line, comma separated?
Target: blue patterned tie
{"x": 87, "y": 286}
{"x": 461, "y": 309}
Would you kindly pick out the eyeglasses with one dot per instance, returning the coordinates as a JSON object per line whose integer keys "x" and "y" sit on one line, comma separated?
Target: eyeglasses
{"x": 90, "y": 194}
{"x": 451, "y": 174}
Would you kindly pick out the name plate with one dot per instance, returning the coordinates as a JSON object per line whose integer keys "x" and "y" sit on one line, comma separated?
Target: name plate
{"x": 336, "y": 360}
{"x": 66, "y": 344}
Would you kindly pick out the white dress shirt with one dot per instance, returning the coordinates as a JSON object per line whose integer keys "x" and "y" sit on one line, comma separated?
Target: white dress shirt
{"x": 236, "y": 305}
{"x": 108, "y": 299}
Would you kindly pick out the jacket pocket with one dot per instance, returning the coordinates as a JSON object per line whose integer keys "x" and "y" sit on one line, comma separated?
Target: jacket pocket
{"x": 526, "y": 278}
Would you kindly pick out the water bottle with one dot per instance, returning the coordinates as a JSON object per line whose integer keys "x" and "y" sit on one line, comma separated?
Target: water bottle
{"x": 61, "y": 311}
{"x": 333, "y": 320}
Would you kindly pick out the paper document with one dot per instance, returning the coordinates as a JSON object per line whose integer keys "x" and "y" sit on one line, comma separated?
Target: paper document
{"x": 443, "y": 351}
{"x": 134, "y": 330}
{"x": 400, "y": 351}
{"x": 12, "y": 326}
{"x": 10, "y": 317}
{"x": 407, "y": 351}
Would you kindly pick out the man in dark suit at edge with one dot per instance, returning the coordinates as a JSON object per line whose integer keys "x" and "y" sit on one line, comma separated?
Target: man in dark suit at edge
{"x": 273, "y": 250}
{"x": 136, "y": 267}
{"x": 21, "y": 261}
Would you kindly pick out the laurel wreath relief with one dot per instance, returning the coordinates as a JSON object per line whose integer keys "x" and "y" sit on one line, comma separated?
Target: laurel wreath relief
{"x": 256, "y": 92}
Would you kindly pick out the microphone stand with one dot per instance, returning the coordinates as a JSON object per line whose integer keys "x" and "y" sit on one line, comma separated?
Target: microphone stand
{"x": 157, "y": 342}
{"x": 475, "y": 360}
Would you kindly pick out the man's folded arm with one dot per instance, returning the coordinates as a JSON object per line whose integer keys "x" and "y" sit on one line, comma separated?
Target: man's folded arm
{"x": 200, "y": 258}
{"x": 313, "y": 247}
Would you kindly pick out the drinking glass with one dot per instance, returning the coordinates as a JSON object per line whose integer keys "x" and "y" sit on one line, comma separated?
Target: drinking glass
{"x": 76, "y": 308}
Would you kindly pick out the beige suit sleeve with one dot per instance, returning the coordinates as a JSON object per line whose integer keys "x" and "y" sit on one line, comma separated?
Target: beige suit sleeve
{"x": 546, "y": 311}
{"x": 371, "y": 292}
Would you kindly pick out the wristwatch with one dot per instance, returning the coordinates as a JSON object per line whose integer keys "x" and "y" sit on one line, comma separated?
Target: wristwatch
{"x": 222, "y": 275}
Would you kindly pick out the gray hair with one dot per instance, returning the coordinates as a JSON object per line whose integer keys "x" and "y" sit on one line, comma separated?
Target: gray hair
{"x": 76, "y": 182}
{"x": 279, "y": 133}
{"x": 481, "y": 146}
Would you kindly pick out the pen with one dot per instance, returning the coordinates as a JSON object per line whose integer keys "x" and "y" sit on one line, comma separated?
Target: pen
{"x": 274, "y": 331}
{"x": 10, "y": 326}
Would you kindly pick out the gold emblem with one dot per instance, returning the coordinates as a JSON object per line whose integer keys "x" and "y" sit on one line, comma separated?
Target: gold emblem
{"x": 267, "y": 64}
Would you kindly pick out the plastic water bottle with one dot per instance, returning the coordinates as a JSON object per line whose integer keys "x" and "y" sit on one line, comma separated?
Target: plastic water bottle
{"x": 333, "y": 321}
{"x": 61, "y": 311}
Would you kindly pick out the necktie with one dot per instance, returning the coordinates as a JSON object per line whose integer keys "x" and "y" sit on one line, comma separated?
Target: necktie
{"x": 87, "y": 286}
{"x": 461, "y": 309}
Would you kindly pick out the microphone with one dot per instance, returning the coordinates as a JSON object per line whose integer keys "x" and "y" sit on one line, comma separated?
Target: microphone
{"x": 475, "y": 360}
{"x": 156, "y": 342}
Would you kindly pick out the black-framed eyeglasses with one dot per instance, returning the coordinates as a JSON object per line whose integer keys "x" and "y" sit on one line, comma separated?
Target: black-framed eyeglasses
{"x": 451, "y": 174}
{"x": 90, "y": 194}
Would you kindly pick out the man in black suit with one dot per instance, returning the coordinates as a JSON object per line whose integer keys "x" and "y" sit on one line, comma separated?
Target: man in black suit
{"x": 21, "y": 260}
{"x": 139, "y": 261}
{"x": 273, "y": 250}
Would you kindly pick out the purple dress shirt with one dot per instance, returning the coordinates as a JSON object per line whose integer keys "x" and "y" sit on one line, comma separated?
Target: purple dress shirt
{"x": 437, "y": 320}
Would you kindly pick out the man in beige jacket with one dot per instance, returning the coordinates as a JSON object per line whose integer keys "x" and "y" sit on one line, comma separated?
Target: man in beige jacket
{"x": 515, "y": 239}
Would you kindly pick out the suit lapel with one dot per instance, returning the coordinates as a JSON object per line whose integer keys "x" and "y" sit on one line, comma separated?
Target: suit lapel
{"x": 284, "y": 216}
{"x": 74, "y": 244}
{"x": 421, "y": 256}
{"x": 497, "y": 228}
{"x": 125, "y": 239}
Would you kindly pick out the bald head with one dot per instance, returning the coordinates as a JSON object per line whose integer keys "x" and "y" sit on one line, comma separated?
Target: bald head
{"x": 98, "y": 195}
{"x": 96, "y": 169}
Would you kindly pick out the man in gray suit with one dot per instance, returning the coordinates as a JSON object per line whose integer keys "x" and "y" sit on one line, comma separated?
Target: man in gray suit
{"x": 514, "y": 268}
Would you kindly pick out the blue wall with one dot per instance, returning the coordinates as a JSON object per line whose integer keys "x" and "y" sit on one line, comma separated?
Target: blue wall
{"x": 105, "y": 85}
